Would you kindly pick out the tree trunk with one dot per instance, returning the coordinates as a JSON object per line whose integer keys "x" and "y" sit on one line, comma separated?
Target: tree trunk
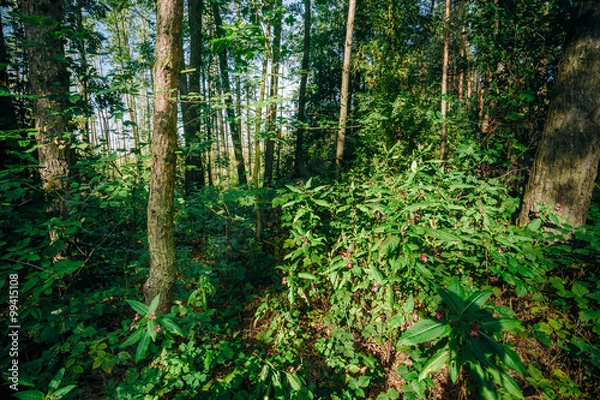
{"x": 194, "y": 173}
{"x": 161, "y": 242}
{"x": 299, "y": 150}
{"x": 445, "y": 65}
{"x": 344, "y": 92}
{"x": 566, "y": 163}
{"x": 49, "y": 83}
{"x": 234, "y": 125}
{"x": 272, "y": 116}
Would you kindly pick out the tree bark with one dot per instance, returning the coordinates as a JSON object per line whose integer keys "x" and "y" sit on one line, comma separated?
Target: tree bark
{"x": 161, "y": 242}
{"x": 194, "y": 175}
{"x": 344, "y": 92}
{"x": 567, "y": 160}
{"x": 299, "y": 150}
{"x": 49, "y": 84}
{"x": 445, "y": 67}
{"x": 272, "y": 116}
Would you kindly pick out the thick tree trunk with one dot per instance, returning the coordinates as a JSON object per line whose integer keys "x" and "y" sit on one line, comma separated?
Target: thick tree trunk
{"x": 566, "y": 163}
{"x": 299, "y": 150}
{"x": 344, "y": 92}
{"x": 161, "y": 242}
{"x": 234, "y": 125}
{"x": 49, "y": 83}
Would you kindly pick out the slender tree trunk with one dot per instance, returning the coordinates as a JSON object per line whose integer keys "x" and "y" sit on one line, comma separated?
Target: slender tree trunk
{"x": 272, "y": 116}
{"x": 8, "y": 117}
{"x": 49, "y": 82}
{"x": 194, "y": 173}
{"x": 299, "y": 150}
{"x": 567, "y": 160}
{"x": 234, "y": 124}
{"x": 344, "y": 92}
{"x": 161, "y": 242}
{"x": 445, "y": 67}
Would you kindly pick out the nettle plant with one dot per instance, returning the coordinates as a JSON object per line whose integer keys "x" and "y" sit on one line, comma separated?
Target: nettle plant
{"x": 148, "y": 325}
{"x": 369, "y": 252}
{"x": 466, "y": 335}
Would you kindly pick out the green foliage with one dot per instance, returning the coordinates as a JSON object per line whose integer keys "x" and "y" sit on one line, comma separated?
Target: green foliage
{"x": 54, "y": 389}
{"x": 472, "y": 334}
{"x": 147, "y": 325}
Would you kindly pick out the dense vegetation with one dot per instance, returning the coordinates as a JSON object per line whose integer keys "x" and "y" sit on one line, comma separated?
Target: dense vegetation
{"x": 398, "y": 271}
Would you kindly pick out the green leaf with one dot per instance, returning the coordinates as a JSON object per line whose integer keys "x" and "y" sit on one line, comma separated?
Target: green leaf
{"x": 424, "y": 331}
{"x": 454, "y": 302}
{"x": 63, "y": 391}
{"x": 142, "y": 347}
{"x": 454, "y": 370}
{"x": 171, "y": 326}
{"x": 151, "y": 329}
{"x": 154, "y": 304}
{"x": 476, "y": 299}
{"x": 535, "y": 225}
{"x": 306, "y": 275}
{"x": 504, "y": 324}
{"x": 434, "y": 364}
{"x": 441, "y": 235}
{"x": 294, "y": 380}
{"x": 55, "y": 382}
{"x": 138, "y": 307}
{"x": 508, "y": 383}
{"x": 30, "y": 395}
{"x": 134, "y": 338}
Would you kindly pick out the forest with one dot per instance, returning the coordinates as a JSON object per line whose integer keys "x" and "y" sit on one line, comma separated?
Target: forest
{"x": 300, "y": 199}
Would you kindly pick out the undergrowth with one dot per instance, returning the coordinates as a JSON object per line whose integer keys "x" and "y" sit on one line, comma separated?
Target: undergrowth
{"x": 411, "y": 283}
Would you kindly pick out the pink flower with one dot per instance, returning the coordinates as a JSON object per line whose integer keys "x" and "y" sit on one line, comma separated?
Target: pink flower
{"x": 424, "y": 258}
{"x": 474, "y": 334}
{"x": 376, "y": 287}
{"x": 499, "y": 250}
{"x": 137, "y": 317}
{"x": 284, "y": 281}
{"x": 415, "y": 316}
{"x": 158, "y": 329}
{"x": 439, "y": 315}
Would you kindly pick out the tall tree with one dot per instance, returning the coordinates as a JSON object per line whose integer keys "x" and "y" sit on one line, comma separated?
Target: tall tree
{"x": 567, "y": 160}
{"x": 272, "y": 116}
{"x": 49, "y": 84}
{"x": 300, "y": 133}
{"x": 345, "y": 89}
{"x": 234, "y": 124}
{"x": 194, "y": 173}
{"x": 161, "y": 242}
{"x": 445, "y": 68}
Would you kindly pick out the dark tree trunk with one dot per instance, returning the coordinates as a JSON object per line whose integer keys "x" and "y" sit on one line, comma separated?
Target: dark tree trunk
{"x": 299, "y": 150}
{"x": 566, "y": 163}
{"x": 345, "y": 88}
{"x": 49, "y": 84}
{"x": 161, "y": 242}
{"x": 272, "y": 116}
{"x": 194, "y": 175}
{"x": 234, "y": 125}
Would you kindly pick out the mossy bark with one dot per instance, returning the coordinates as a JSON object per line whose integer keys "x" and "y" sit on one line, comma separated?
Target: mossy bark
{"x": 161, "y": 240}
{"x": 566, "y": 163}
{"x": 49, "y": 84}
